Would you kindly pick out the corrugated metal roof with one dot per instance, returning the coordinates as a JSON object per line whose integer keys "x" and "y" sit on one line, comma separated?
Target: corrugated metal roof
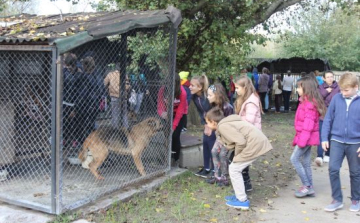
{"x": 67, "y": 29}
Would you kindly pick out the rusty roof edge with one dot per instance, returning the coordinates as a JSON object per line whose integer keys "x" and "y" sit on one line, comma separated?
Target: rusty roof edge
{"x": 71, "y": 42}
{"x": 174, "y": 15}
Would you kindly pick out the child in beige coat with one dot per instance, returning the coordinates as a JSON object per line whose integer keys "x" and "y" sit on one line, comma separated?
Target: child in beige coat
{"x": 247, "y": 141}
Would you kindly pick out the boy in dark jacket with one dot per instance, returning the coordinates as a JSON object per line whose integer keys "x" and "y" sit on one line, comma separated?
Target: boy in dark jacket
{"x": 342, "y": 124}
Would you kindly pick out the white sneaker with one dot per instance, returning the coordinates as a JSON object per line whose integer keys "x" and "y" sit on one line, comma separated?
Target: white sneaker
{"x": 319, "y": 161}
{"x": 326, "y": 159}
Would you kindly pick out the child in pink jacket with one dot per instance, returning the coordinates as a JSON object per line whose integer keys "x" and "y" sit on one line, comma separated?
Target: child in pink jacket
{"x": 306, "y": 124}
{"x": 248, "y": 106}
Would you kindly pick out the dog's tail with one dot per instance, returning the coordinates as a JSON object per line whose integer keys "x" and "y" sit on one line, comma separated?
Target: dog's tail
{"x": 83, "y": 152}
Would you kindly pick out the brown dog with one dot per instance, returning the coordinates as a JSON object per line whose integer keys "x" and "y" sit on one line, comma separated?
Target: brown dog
{"x": 97, "y": 145}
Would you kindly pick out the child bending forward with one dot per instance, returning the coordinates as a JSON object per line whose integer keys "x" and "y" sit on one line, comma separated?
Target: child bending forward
{"x": 248, "y": 142}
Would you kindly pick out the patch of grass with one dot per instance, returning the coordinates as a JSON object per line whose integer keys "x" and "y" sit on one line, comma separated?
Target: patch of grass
{"x": 66, "y": 218}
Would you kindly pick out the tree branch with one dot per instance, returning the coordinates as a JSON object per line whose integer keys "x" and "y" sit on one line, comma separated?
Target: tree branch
{"x": 277, "y": 6}
{"x": 199, "y": 6}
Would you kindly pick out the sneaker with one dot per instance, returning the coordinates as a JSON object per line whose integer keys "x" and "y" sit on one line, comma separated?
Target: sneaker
{"x": 319, "y": 161}
{"x": 203, "y": 173}
{"x": 355, "y": 206}
{"x": 223, "y": 182}
{"x": 335, "y": 205}
{"x": 248, "y": 186}
{"x": 230, "y": 198}
{"x": 326, "y": 159}
{"x": 304, "y": 191}
{"x": 184, "y": 129}
{"x": 211, "y": 180}
{"x": 311, "y": 192}
{"x": 244, "y": 205}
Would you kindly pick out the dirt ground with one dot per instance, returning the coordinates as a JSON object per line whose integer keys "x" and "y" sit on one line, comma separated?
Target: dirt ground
{"x": 188, "y": 198}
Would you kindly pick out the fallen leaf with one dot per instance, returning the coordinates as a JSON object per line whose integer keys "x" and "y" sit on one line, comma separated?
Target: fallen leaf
{"x": 206, "y": 205}
{"x": 304, "y": 212}
{"x": 194, "y": 199}
{"x": 213, "y": 220}
{"x": 217, "y": 196}
{"x": 263, "y": 211}
{"x": 266, "y": 162}
{"x": 307, "y": 219}
{"x": 270, "y": 202}
{"x": 158, "y": 210}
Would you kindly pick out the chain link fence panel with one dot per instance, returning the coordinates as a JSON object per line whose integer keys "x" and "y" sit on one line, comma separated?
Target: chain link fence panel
{"x": 109, "y": 129}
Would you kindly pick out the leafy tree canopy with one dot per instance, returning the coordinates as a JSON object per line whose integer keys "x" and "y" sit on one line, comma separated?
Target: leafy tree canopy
{"x": 333, "y": 35}
{"x": 215, "y": 36}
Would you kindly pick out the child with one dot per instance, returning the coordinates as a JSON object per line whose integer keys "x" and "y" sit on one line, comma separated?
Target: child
{"x": 306, "y": 124}
{"x": 277, "y": 88}
{"x": 217, "y": 98}
{"x": 179, "y": 108}
{"x": 198, "y": 89}
{"x": 248, "y": 106}
{"x": 248, "y": 142}
{"x": 342, "y": 124}
{"x": 327, "y": 90}
{"x": 186, "y": 84}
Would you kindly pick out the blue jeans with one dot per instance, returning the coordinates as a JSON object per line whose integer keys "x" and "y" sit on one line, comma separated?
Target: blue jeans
{"x": 301, "y": 160}
{"x": 320, "y": 151}
{"x": 208, "y": 144}
{"x": 338, "y": 152}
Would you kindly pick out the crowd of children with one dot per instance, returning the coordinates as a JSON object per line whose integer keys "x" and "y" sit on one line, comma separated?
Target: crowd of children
{"x": 233, "y": 140}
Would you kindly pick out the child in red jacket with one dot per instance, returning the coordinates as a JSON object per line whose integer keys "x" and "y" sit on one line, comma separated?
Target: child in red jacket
{"x": 180, "y": 106}
{"x": 310, "y": 109}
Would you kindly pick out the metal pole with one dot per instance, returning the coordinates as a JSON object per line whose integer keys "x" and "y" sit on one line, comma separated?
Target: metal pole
{"x": 56, "y": 90}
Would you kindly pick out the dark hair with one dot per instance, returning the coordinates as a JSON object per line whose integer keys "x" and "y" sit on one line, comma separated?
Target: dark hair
{"x": 220, "y": 95}
{"x": 177, "y": 87}
{"x": 70, "y": 60}
{"x": 302, "y": 74}
{"x": 328, "y": 72}
{"x": 215, "y": 114}
{"x": 88, "y": 64}
{"x": 312, "y": 94}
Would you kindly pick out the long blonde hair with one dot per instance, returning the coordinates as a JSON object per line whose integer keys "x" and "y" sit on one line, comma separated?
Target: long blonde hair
{"x": 249, "y": 89}
{"x": 203, "y": 81}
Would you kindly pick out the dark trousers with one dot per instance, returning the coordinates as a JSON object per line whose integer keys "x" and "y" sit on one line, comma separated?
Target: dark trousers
{"x": 337, "y": 155}
{"x": 208, "y": 144}
{"x": 185, "y": 121}
{"x": 262, "y": 99}
{"x": 176, "y": 144}
{"x": 286, "y": 96}
{"x": 278, "y": 98}
{"x": 320, "y": 150}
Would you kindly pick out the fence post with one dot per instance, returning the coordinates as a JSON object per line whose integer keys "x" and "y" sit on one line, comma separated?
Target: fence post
{"x": 56, "y": 91}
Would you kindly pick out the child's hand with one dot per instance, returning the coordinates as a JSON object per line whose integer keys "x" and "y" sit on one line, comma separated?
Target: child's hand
{"x": 207, "y": 130}
{"x": 358, "y": 151}
{"x": 325, "y": 146}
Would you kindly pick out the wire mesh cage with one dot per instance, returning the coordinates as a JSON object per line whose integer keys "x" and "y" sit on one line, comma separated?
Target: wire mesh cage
{"x": 80, "y": 123}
